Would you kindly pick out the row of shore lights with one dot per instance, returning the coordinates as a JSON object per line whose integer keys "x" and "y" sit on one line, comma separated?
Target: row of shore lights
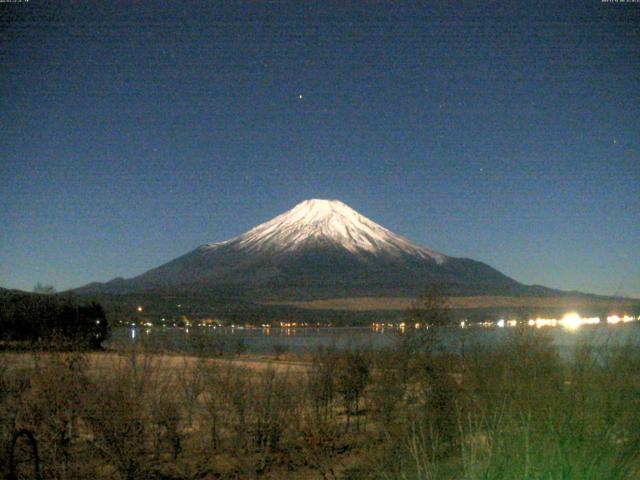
{"x": 570, "y": 321}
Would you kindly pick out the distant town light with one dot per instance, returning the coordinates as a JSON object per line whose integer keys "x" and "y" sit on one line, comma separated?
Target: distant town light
{"x": 543, "y": 322}
{"x": 571, "y": 321}
{"x": 613, "y": 319}
{"x": 139, "y": 308}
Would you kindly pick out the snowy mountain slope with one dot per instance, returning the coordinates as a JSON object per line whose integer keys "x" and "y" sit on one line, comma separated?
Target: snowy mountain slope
{"x": 326, "y": 221}
{"x": 318, "y": 249}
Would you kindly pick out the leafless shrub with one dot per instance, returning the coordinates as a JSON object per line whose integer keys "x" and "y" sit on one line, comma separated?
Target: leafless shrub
{"x": 424, "y": 319}
{"x": 216, "y": 381}
{"x": 51, "y": 408}
{"x": 274, "y": 417}
{"x": 387, "y": 391}
{"x": 165, "y": 418}
{"x": 320, "y": 381}
{"x": 321, "y": 442}
{"x": 276, "y": 405}
{"x": 116, "y": 410}
{"x": 191, "y": 385}
{"x": 352, "y": 377}
{"x": 240, "y": 390}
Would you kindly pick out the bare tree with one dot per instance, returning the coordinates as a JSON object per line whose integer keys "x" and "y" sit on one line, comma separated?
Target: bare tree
{"x": 321, "y": 382}
{"x": 216, "y": 382}
{"x": 191, "y": 384}
{"x": 353, "y": 376}
{"x": 430, "y": 312}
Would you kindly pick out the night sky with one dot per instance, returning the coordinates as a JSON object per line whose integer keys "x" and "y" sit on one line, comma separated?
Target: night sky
{"x": 130, "y": 134}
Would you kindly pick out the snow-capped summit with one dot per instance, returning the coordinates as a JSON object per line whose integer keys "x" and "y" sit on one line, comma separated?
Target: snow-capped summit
{"x": 326, "y": 222}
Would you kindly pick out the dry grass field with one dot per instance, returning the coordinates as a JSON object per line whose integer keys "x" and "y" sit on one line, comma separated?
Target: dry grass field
{"x": 108, "y": 361}
{"x": 515, "y": 411}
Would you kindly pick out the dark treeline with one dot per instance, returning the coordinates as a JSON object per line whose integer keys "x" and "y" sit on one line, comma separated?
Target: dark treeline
{"x": 27, "y": 318}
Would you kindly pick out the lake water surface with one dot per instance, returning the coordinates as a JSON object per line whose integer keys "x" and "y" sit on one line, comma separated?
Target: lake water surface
{"x": 212, "y": 341}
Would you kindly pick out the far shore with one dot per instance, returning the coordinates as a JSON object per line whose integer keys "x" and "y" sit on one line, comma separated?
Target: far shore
{"x": 363, "y": 304}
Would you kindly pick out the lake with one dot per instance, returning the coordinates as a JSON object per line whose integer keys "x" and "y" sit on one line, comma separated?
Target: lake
{"x": 215, "y": 341}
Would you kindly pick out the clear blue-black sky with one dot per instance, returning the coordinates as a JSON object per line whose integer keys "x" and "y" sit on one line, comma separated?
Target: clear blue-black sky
{"x": 504, "y": 132}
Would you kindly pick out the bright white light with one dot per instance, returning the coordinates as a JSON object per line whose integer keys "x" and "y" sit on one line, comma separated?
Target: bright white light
{"x": 501, "y": 323}
{"x": 571, "y": 321}
{"x": 462, "y": 324}
{"x": 613, "y": 319}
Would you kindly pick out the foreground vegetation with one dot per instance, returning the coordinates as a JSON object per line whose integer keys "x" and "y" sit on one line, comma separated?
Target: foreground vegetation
{"x": 515, "y": 411}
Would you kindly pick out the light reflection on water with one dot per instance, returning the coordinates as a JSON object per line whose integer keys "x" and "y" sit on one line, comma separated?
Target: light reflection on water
{"x": 302, "y": 340}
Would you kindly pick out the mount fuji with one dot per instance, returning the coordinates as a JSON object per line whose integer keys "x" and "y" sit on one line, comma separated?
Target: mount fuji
{"x": 318, "y": 249}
